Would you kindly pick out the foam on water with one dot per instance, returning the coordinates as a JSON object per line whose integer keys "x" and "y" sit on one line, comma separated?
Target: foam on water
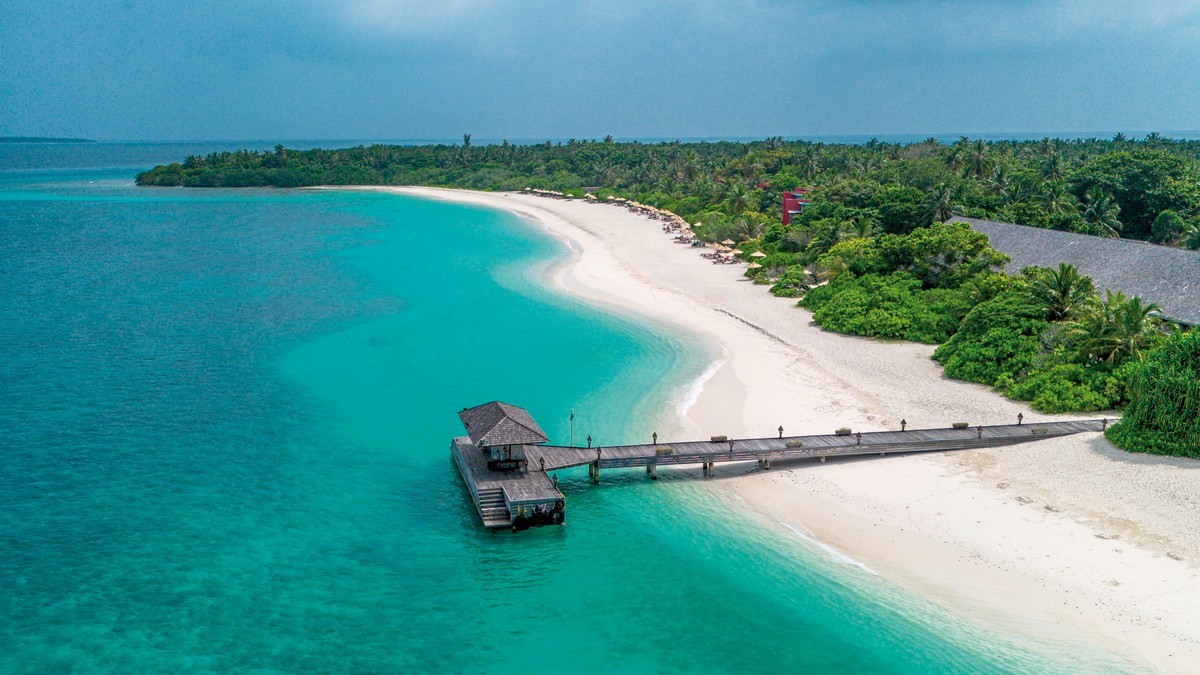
{"x": 834, "y": 554}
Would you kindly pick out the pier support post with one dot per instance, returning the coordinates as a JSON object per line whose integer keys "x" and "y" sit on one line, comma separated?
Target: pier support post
{"x": 594, "y": 470}
{"x": 652, "y": 471}
{"x": 767, "y": 463}
{"x": 822, "y": 459}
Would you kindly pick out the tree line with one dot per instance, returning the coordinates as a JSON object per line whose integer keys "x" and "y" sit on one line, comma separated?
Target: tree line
{"x": 1141, "y": 189}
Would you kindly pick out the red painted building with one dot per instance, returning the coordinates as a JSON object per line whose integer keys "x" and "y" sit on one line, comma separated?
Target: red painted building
{"x": 794, "y": 202}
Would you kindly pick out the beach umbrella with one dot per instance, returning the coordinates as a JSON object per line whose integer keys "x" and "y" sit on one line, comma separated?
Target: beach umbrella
{"x": 737, "y": 251}
{"x": 729, "y": 242}
{"x": 753, "y": 266}
{"x": 758, "y": 254}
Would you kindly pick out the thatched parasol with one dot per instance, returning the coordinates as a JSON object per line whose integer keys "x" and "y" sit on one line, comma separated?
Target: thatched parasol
{"x": 753, "y": 266}
{"x": 758, "y": 254}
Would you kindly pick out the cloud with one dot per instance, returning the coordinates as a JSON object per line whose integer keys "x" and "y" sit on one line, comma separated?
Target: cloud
{"x": 979, "y": 25}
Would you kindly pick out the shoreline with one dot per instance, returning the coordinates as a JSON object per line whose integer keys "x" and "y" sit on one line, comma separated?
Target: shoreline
{"x": 1066, "y": 542}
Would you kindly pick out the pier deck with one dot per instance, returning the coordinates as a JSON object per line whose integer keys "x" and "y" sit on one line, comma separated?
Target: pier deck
{"x": 502, "y": 498}
{"x": 799, "y": 447}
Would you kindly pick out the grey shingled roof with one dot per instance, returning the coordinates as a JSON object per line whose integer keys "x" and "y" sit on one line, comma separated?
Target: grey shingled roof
{"x": 1167, "y": 276}
{"x": 497, "y": 423}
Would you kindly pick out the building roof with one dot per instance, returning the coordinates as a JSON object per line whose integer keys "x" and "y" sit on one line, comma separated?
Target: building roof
{"x": 497, "y": 423}
{"x": 1169, "y": 277}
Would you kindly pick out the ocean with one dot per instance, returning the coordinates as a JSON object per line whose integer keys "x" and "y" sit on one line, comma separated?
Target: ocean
{"x": 224, "y": 433}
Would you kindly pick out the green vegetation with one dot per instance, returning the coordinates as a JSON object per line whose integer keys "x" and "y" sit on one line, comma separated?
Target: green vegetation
{"x": 872, "y": 254}
{"x": 906, "y": 286}
{"x": 1163, "y": 416}
{"x": 1052, "y": 341}
{"x": 1108, "y": 187}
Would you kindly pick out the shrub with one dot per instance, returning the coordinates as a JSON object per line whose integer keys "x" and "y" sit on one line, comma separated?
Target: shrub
{"x": 1067, "y": 387}
{"x": 1163, "y": 415}
{"x": 792, "y": 283}
{"x": 892, "y": 307}
{"x": 998, "y": 337}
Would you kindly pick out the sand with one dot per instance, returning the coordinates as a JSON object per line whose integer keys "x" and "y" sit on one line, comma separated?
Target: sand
{"x": 1068, "y": 541}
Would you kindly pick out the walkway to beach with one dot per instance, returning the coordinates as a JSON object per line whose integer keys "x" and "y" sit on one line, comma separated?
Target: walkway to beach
{"x": 496, "y": 493}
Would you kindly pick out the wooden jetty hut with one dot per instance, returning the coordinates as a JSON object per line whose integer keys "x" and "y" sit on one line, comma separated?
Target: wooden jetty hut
{"x": 494, "y": 463}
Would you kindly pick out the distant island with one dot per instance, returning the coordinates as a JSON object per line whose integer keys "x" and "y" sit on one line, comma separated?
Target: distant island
{"x": 43, "y": 139}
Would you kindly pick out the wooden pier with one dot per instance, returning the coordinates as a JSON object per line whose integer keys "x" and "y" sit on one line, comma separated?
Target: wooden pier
{"x": 524, "y": 494}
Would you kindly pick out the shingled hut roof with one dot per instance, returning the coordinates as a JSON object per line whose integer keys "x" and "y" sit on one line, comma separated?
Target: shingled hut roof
{"x": 496, "y": 423}
{"x": 1169, "y": 277}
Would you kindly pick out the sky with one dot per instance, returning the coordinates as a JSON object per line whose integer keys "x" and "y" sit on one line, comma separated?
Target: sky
{"x": 535, "y": 69}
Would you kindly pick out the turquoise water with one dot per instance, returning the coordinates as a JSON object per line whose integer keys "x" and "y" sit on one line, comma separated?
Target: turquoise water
{"x": 225, "y": 429}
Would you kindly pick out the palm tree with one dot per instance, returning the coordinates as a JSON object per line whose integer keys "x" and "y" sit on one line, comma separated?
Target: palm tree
{"x": 690, "y": 166}
{"x": 739, "y": 197}
{"x": 942, "y": 206}
{"x": 1118, "y": 328}
{"x": 1120, "y": 138}
{"x": 863, "y": 227}
{"x": 827, "y": 234}
{"x": 978, "y": 161}
{"x": 1056, "y": 199}
{"x": 1052, "y": 170}
{"x": 976, "y": 292}
{"x": 1191, "y": 235}
{"x": 747, "y": 228}
{"x": 1000, "y": 179}
{"x": 668, "y": 184}
{"x": 953, "y": 158}
{"x": 1061, "y": 292}
{"x": 1101, "y": 211}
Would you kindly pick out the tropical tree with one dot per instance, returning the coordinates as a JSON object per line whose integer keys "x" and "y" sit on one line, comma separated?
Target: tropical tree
{"x": 1168, "y": 227}
{"x": 1052, "y": 169}
{"x": 826, "y": 233}
{"x": 739, "y": 197}
{"x": 1101, "y": 211}
{"x": 1000, "y": 180}
{"x": 747, "y": 228}
{"x": 1191, "y": 234}
{"x": 1062, "y": 292}
{"x": 1119, "y": 328}
{"x": 942, "y": 204}
{"x": 1055, "y": 198}
{"x": 863, "y": 227}
{"x": 978, "y": 162}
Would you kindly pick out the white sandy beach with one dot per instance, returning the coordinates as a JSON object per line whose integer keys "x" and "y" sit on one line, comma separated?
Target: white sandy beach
{"x": 1066, "y": 540}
